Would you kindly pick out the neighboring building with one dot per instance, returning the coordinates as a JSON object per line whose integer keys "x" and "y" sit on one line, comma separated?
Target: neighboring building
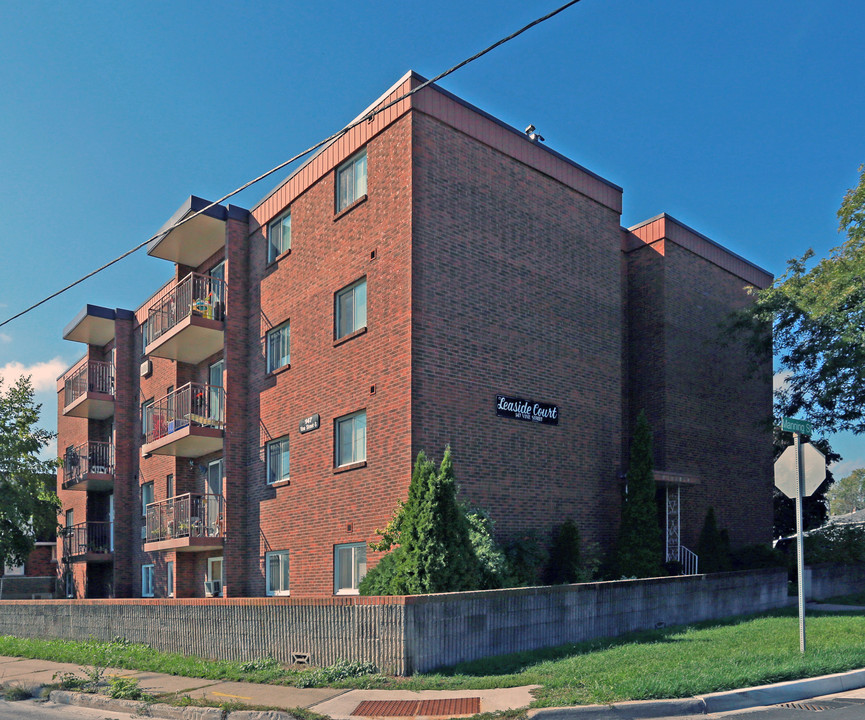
{"x": 247, "y": 428}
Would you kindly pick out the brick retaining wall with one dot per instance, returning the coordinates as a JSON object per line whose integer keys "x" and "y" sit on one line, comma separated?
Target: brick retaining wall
{"x": 401, "y": 634}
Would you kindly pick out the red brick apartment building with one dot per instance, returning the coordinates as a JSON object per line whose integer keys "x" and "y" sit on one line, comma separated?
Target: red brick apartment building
{"x": 434, "y": 276}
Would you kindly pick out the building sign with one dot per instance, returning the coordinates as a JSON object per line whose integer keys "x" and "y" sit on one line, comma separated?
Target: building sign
{"x": 520, "y": 409}
{"x": 308, "y": 424}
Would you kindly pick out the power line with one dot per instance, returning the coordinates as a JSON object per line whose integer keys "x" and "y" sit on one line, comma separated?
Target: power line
{"x": 339, "y": 133}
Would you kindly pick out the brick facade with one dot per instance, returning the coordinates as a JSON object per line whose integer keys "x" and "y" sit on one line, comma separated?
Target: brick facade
{"x": 492, "y": 265}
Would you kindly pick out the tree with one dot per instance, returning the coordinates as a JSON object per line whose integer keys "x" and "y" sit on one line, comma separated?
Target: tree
{"x": 848, "y": 494}
{"x": 435, "y": 552}
{"x": 713, "y": 546}
{"x": 640, "y": 543}
{"x": 25, "y": 497}
{"x": 566, "y": 563}
{"x": 818, "y": 316}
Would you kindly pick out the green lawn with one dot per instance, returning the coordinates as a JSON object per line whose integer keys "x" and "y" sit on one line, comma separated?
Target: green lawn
{"x": 672, "y": 662}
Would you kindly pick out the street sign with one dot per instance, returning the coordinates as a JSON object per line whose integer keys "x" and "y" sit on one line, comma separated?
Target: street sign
{"x": 803, "y": 427}
{"x": 814, "y": 464}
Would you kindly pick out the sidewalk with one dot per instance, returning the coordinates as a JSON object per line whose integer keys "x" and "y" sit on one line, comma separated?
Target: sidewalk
{"x": 358, "y": 704}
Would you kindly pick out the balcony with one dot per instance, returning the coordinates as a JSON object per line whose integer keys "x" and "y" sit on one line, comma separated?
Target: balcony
{"x": 88, "y": 542}
{"x": 89, "y": 467}
{"x": 186, "y": 423}
{"x": 89, "y": 391}
{"x": 186, "y": 523}
{"x": 188, "y": 324}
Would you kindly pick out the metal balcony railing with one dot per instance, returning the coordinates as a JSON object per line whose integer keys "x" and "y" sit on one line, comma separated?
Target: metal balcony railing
{"x": 87, "y": 538}
{"x": 89, "y": 457}
{"x": 92, "y": 376}
{"x": 199, "y": 295}
{"x": 185, "y": 516}
{"x": 193, "y": 404}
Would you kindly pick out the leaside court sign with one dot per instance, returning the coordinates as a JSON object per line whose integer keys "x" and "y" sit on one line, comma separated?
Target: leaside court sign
{"x": 522, "y": 409}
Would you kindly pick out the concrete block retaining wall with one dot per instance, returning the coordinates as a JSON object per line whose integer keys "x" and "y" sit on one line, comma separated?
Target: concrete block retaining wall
{"x": 829, "y": 580}
{"x": 401, "y": 635}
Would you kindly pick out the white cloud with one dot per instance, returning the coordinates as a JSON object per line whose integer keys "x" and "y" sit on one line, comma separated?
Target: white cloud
{"x": 43, "y": 375}
{"x": 5, "y": 338}
{"x": 779, "y": 380}
{"x": 845, "y": 467}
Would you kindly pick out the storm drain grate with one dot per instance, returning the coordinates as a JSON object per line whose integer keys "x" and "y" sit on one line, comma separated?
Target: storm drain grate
{"x": 443, "y": 707}
{"x": 813, "y": 706}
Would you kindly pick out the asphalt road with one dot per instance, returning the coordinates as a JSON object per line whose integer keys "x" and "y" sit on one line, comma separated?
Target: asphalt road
{"x": 816, "y": 709}
{"x": 34, "y": 710}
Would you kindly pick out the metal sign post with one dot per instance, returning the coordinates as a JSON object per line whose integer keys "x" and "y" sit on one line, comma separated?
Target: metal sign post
{"x": 799, "y": 471}
{"x": 800, "y": 538}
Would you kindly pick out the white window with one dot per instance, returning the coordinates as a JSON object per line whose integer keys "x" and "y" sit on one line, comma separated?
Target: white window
{"x": 213, "y": 584}
{"x": 147, "y": 581}
{"x": 351, "y": 308}
{"x": 70, "y": 518}
{"x": 349, "y": 567}
{"x": 278, "y": 347}
{"x": 147, "y": 417}
{"x": 13, "y": 570}
{"x": 350, "y": 439}
{"x": 277, "y": 461}
{"x": 276, "y": 571}
{"x": 351, "y": 181}
{"x": 146, "y": 497}
{"x": 69, "y": 584}
{"x": 278, "y": 237}
{"x": 169, "y": 578}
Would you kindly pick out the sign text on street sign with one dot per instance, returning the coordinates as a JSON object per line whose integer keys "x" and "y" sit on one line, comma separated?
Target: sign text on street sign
{"x": 803, "y": 427}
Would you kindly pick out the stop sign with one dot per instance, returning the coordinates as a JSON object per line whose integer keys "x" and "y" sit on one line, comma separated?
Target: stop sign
{"x": 814, "y": 463}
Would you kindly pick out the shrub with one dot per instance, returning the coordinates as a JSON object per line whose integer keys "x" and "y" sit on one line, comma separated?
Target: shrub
{"x": 843, "y": 544}
{"x": 491, "y": 558}
{"x": 640, "y": 544}
{"x": 527, "y": 557}
{"x": 755, "y": 557}
{"x": 713, "y": 547}
{"x": 124, "y": 689}
{"x": 565, "y": 563}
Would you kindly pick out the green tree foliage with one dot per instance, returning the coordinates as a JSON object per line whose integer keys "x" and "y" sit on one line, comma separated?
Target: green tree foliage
{"x": 527, "y": 556}
{"x": 566, "y": 563}
{"x": 491, "y": 558}
{"x": 25, "y": 500}
{"x": 435, "y": 552}
{"x": 713, "y": 546}
{"x": 639, "y": 552}
{"x": 848, "y": 494}
{"x": 818, "y": 316}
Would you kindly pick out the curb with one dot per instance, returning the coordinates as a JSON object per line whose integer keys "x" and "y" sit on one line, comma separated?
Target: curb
{"x": 725, "y": 701}
{"x": 162, "y": 710}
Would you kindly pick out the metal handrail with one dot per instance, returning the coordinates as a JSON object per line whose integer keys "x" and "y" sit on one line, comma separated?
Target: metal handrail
{"x": 688, "y": 560}
{"x": 92, "y": 376}
{"x": 87, "y": 537}
{"x": 193, "y": 404}
{"x": 89, "y": 457}
{"x": 184, "y": 516}
{"x": 197, "y": 294}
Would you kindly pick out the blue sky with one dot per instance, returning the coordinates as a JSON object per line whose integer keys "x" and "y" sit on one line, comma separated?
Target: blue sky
{"x": 742, "y": 119}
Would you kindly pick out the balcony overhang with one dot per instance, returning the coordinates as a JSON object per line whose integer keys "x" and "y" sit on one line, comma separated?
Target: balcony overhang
{"x": 91, "y": 557}
{"x": 191, "y": 441}
{"x": 91, "y": 482}
{"x": 93, "y": 405}
{"x": 194, "y": 241}
{"x": 192, "y": 340}
{"x": 94, "y": 325}
{"x": 185, "y": 544}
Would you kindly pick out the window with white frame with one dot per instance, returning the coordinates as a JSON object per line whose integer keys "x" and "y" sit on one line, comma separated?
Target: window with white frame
{"x": 147, "y": 417}
{"x": 147, "y": 581}
{"x": 277, "y": 461}
{"x": 350, "y": 309}
{"x": 350, "y": 440}
{"x": 146, "y": 497}
{"x": 349, "y": 567}
{"x": 169, "y": 578}
{"x": 276, "y": 572}
{"x": 278, "y": 237}
{"x": 351, "y": 181}
{"x": 278, "y": 347}
{"x": 69, "y": 584}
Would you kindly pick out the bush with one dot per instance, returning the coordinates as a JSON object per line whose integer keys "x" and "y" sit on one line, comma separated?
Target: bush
{"x": 124, "y": 689}
{"x": 713, "y": 547}
{"x": 843, "y": 544}
{"x": 756, "y": 557}
{"x": 526, "y": 559}
{"x": 565, "y": 563}
{"x": 491, "y": 558}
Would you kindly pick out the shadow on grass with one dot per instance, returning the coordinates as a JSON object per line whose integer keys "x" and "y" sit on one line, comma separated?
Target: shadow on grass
{"x": 515, "y": 663}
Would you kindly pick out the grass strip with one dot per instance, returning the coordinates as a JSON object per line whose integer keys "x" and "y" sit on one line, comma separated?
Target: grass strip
{"x": 665, "y": 663}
